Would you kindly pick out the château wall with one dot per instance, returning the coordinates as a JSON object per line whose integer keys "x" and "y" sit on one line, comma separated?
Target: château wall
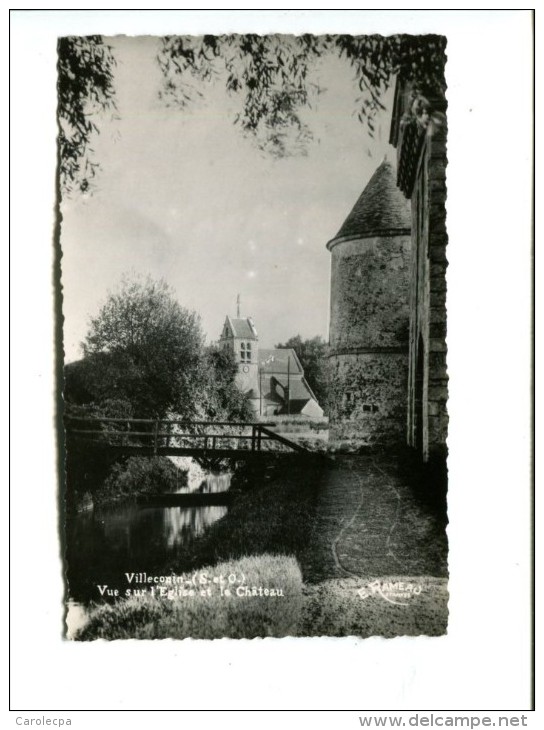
{"x": 428, "y": 379}
{"x": 369, "y": 323}
{"x": 369, "y": 292}
{"x": 368, "y": 398}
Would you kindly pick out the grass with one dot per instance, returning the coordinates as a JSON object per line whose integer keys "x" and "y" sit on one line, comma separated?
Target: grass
{"x": 213, "y": 615}
{"x": 335, "y": 608}
{"x": 289, "y": 517}
{"x": 269, "y": 521}
{"x": 330, "y": 608}
{"x": 273, "y": 513}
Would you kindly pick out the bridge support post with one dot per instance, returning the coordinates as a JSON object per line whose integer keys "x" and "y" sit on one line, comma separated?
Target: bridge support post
{"x": 155, "y": 437}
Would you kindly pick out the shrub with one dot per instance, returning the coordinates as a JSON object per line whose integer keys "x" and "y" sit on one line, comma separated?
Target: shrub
{"x": 140, "y": 476}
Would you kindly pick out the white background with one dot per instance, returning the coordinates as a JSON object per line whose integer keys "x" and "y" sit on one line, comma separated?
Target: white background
{"x": 484, "y": 662}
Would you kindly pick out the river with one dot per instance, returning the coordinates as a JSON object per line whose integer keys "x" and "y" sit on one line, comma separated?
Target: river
{"x": 107, "y": 541}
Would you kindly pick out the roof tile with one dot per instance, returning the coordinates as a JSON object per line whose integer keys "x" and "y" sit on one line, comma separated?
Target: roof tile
{"x": 381, "y": 207}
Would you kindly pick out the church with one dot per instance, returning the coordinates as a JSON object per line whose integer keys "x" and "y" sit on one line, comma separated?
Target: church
{"x": 274, "y": 378}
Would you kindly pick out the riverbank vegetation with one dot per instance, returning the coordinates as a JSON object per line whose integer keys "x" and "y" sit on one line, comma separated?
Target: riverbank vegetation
{"x": 95, "y": 476}
{"x": 154, "y": 475}
{"x": 283, "y": 527}
{"x": 144, "y": 357}
{"x": 272, "y": 513}
{"x": 264, "y": 536}
{"x": 265, "y": 600}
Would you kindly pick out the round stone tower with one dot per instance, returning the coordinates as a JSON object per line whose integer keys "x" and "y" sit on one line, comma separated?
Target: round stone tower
{"x": 369, "y": 319}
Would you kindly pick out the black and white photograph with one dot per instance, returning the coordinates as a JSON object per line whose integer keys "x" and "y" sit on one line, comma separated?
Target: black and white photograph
{"x": 275, "y": 327}
{"x": 253, "y": 236}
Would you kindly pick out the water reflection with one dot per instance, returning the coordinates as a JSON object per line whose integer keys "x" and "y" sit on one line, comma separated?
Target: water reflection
{"x": 211, "y": 484}
{"x": 109, "y": 540}
{"x": 181, "y": 525}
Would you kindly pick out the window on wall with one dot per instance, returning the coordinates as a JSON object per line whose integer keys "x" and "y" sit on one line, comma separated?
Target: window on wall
{"x": 370, "y": 408}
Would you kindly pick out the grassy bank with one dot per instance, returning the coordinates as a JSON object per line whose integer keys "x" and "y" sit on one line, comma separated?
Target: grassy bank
{"x": 210, "y": 612}
{"x": 331, "y": 608}
{"x": 261, "y": 536}
{"x": 320, "y": 530}
{"x": 336, "y": 608}
{"x": 272, "y": 513}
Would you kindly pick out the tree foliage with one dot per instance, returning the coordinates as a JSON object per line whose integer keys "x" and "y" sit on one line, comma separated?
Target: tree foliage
{"x": 272, "y": 74}
{"x": 85, "y": 89}
{"x": 144, "y": 357}
{"x": 144, "y": 348}
{"x": 312, "y": 354}
{"x": 221, "y": 399}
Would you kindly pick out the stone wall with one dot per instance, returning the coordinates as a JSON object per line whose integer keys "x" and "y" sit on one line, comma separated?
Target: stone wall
{"x": 367, "y": 398}
{"x": 428, "y": 379}
{"x": 369, "y": 329}
{"x": 369, "y": 292}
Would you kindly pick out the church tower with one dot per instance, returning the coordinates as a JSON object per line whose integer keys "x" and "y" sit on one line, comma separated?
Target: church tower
{"x": 240, "y": 336}
{"x": 369, "y": 317}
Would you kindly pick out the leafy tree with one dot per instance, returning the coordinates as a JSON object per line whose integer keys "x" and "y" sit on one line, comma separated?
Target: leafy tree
{"x": 85, "y": 89}
{"x": 142, "y": 348}
{"x": 312, "y": 355}
{"x": 221, "y": 399}
{"x": 144, "y": 357}
{"x": 272, "y": 74}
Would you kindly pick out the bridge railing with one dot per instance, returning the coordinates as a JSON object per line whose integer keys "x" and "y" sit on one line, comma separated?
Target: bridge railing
{"x": 172, "y": 434}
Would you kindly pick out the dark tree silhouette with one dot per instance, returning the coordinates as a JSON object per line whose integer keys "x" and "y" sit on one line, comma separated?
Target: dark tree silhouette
{"x": 272, "y": 73}
{"x": 145, "y": 349}
{"x": 85, "y": 89}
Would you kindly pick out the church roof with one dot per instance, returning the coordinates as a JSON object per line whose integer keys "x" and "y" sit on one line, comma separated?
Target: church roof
{"x": 296, "y": 406}
{"x": 243, "y": 328}
{"x": 380, "y": 209}
{"x": 298, "y": 387}
{"x": 278, "y": 360}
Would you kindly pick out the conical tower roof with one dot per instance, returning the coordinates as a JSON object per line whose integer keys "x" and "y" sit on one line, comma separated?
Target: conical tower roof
{"x": 381, "y": 209}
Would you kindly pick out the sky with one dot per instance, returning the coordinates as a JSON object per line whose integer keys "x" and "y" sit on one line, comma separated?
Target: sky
{"x": 185, "y": 196}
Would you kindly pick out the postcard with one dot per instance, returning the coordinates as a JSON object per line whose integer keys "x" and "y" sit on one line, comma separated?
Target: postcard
{"x": 254, "y": 253}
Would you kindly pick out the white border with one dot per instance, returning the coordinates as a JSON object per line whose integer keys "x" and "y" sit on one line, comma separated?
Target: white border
{"x": 483, "y": 662}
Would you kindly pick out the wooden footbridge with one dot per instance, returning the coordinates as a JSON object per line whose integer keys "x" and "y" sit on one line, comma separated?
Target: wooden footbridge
{"x": 163, "y": 437}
